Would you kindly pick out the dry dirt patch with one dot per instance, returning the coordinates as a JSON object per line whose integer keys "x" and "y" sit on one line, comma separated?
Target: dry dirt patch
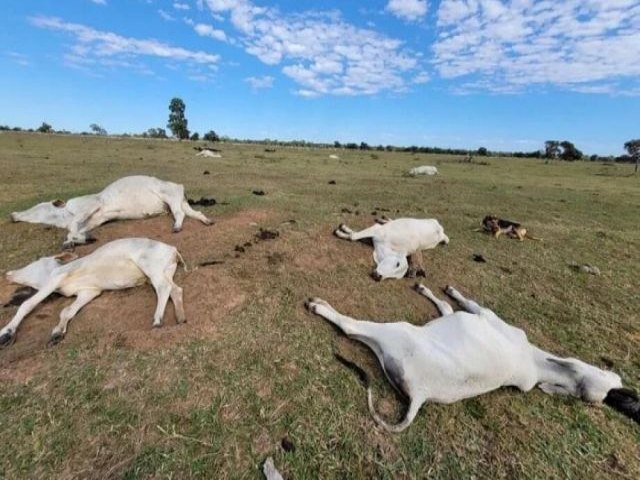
{"x": 122, "y": 319}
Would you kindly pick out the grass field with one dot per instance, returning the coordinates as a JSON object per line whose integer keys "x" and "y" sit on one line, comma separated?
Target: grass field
{"x": 215, "y": 397}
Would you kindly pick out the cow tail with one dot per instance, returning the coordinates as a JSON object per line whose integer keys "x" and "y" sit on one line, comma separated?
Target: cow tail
{"x": 184, "y": 264}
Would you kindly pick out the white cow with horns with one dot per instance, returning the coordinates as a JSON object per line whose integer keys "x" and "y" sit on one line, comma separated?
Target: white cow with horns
{"x": 395, "y": 240}
{"x": 127, "y": 198}
{"x": 116, "y": 265}
{"x": 464, "y": 354}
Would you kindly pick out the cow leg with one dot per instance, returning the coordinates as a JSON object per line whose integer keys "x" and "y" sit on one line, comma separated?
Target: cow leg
{"x": 83, "y": 297}
{"x": 443, "y": 306}
{"x": 160, "y": 275}
{"x": 175, "y": 205}
{"x": 8, "y": 333}
{"x": 358, "y": 329}
{"x": 469, "y": 305}
{"x": 191, "y": 213}
{"x": 178, "y": 305}
{"x": 345, "y": 232}
{"x": 416, "y": 269}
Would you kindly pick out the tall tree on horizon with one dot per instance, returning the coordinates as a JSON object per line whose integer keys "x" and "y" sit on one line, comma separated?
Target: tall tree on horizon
{"x": 177, "y": 121}
{"x": 633, "y": 148}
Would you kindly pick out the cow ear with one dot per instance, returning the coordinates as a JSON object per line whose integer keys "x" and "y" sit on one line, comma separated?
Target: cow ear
{"x": 59, "y": 203}
{"x": 65, "y": 257}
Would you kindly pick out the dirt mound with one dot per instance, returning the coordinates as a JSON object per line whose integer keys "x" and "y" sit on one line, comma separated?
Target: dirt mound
{"x": 122, "y": 319}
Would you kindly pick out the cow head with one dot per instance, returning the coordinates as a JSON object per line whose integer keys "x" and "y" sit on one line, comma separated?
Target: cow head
{"x": 581, "y": 380}
{"x": 38, "y": 273}
{"x": 389, "y": 263}
{"x": 50, "y": 213}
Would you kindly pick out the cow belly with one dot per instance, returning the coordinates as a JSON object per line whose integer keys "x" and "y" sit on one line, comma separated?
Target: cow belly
{"x": 140, "y": 205}
{"x": 107, "y": 276}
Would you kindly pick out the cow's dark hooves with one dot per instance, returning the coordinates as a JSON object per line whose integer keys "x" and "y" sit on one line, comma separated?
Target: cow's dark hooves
{"x": 68, "y": 245}
{"x": 417, "y": 286}
{"x": 156, "y": 325}
{"x": 7, "y": 339}
{"x": 91, "y": 240}
{"x": 55, "y": 339}
{"x": 421, "y": 273}
{"x": 176, "y": 230}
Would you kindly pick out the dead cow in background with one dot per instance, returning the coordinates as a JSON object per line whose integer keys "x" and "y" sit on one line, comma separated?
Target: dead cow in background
{"x": 120, "y": 264}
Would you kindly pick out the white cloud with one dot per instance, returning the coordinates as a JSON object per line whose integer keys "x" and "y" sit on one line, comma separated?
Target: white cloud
{"x": 99, "y": 2}
{"x": 409, "y": 10}
{"x": 319, "y": 51}
{"x": 181, "y": 6}
{"x": 258, "y": 83}
{"x": 166, "y": 16}
{"x": 19, "y": 58}
{"x": 205, "y": 30}
{"x": 99, "y": 49}
{"x": 509, "y": 45}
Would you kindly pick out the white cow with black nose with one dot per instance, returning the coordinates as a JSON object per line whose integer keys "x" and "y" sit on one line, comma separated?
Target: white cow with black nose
{"x": 116, "y": 265}
{"x": 464, "y": 354}
{"x": 395, "y": 240}
{"x": 132, "y": 197}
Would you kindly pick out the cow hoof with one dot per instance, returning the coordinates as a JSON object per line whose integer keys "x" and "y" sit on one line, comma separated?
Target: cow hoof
{"x": 411, "y": 273}
{"x": 55, "y": 339}
{"x": 7, "y": 339}
{"x": 156, "y": 325}
{"x": 176, "y": 229}
{"x": 417, "y": 286}
{"x": 421, "y": 273}
{"x": 209, "y": 223}
{"x": 68, "y": 245}
{"x": 90, "y": 239}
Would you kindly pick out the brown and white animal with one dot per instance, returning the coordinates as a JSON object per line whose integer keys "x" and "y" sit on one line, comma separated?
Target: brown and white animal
{"x": 117, "y": 265}
{"x": 423, "y": 170}
{"x": 497, "y": 226}
{"x": 395, "y": 240}
{"x": 464, "y": 354}
{"x": 127, "y": 198}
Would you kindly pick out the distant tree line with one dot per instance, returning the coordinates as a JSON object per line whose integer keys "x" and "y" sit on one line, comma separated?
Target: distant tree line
{"x": 178, "y": 124}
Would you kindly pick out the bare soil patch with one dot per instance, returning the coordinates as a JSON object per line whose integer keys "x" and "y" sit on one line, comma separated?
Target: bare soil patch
{"x": 122, "y": 319}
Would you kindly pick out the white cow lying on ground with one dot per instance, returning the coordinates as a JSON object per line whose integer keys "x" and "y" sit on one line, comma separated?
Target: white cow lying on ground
{"x": 461, "y": 355}
{"x": 423, "y": 170}
{"x": 127, "y": 198}
{"x": 394, "y": 240}
{"x": 117, "y": 265}
{"x": 208, "y": 154}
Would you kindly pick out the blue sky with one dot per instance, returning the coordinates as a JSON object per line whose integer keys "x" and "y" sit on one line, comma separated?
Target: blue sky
{"x": 504, "y": 74}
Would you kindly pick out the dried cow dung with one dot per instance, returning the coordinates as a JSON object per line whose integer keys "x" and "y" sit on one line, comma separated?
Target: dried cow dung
{"x": 258, "y": 192}
{"x": 204, "y": 201}
{"x": 267, "y": 234}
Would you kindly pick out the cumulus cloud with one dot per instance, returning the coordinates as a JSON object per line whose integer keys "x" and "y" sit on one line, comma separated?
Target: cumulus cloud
{"x": 410, "y": 10}
{"x": 205, "y": 30}
{"x": 320, "y": 51}
{"x": 96, "y": 48}
{"x": 258, "y": 83}
{"x": 166, "y": 16}
{"x": 99, "y": 2}
{"x": 181, "y": 6}
{"x": 508, "y": 45}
